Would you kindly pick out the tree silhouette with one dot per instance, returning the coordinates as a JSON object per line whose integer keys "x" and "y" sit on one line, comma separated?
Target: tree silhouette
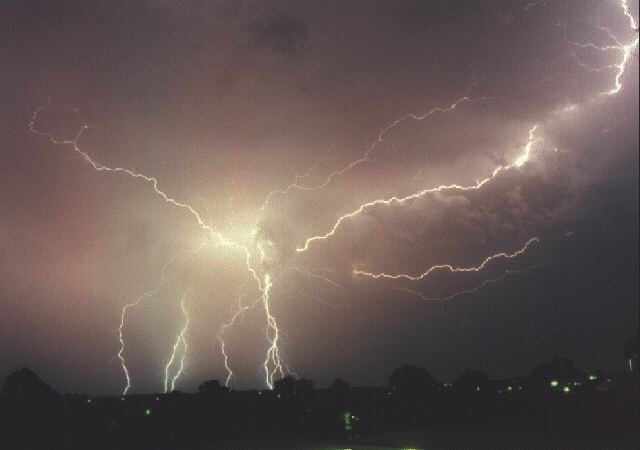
{"x": 560, "y": 371}
{"x": 411, "y": 379}
{"x": 470, "y": 380}
{"x": 286, "y": 386}
{"x": 24, "y": 383}
{"x": 212, "y": 387}
{"x": 289, "y": 387}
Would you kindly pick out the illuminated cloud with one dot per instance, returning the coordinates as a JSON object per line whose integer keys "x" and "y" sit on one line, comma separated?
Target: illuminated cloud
{"x": 181, "y": 153}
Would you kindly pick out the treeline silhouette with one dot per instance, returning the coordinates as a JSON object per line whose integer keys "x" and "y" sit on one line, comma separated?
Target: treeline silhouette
{"x": 555, "y": 397}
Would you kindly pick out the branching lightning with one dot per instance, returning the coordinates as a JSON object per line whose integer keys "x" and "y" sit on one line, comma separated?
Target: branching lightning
{"x": 179, "y": 346}
{"x": 476, "y": 288}
{"x": 257, "y": 261}
{"x": 519, "y": 162}
{"x": 222, "y": 241}
{"x": 120, "y": 328}
{"x": 294, "y": 185}
{"x": 273, "y": 353}
{"x": 400, "y": 200}
{"x": 238, "y": 313}
{"x": 366, "y": 156}
{"x": 449, "y": 267}
{"x": 626, "y": 50}
{"x": 273, "y": 362}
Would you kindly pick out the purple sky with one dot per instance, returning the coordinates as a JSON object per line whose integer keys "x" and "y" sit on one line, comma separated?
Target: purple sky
{"x": 330, "y": 107}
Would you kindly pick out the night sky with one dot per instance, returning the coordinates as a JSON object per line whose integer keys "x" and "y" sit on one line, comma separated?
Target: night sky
{"x": 506, "y": 128}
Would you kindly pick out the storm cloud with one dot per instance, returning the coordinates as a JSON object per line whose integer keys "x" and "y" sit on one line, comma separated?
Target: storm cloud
{"x": 330, "y": 105}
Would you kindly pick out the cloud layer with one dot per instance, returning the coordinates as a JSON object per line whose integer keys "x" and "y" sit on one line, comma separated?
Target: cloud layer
{"x": 225, "y": 102}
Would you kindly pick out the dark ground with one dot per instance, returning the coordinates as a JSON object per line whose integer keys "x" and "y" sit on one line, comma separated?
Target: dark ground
{"x": 555, "y": 407}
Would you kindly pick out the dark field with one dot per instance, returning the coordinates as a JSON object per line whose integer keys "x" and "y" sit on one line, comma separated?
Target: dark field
{"x": 555, "y": 407}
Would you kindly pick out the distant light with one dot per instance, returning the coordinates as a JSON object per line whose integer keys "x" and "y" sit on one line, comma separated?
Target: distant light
{"x": 147, "y": 412}
{"x": 519, "y": 388}
{"x": 593, "y": 377}
{"x": 279, "y": 395}
{"x": 510, "y": 388}
{"x": 122, "y": 398}
{"x": 554, "y": 383}
{"x": 346, "y": 418}
{"x": 88, "y": 400}
{"x": 259, "y": 392}
{"x": 157, "y": 398}
{"x": 566, "y": 389}
{"x": 477, "y": 388}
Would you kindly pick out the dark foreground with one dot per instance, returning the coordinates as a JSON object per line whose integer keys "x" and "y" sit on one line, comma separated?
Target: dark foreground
{"x": 556, "y": 407}
{"x": 463, "y": 439}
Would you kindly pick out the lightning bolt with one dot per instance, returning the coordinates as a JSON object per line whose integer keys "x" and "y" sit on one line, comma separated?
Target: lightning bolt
{"x": 273, "y": 352}
{"x": 366, "y": 156}
{"x": 626, "y": 54}
{"x": 222, "y": 241}
{"x": 476, "y": 288}
{"x": 449, "y": 267}
{"x": 509, "y": 18}
{"x": 255, "y": 256}
{"x": 273, "y": 362}
{"x": 317, "y": 276}
{"x": 294, "y": 185}
{"x": 626, "y": 51}
{"x": 632, "y": 21}
{"x": 519, "y": 162}
{"x": 179, "y": 345}
{"x": 273, "y": 357}
{"x": 237, "y": 314}
{"x": 120, "y": 353}
{"x": 380, "y": 139}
